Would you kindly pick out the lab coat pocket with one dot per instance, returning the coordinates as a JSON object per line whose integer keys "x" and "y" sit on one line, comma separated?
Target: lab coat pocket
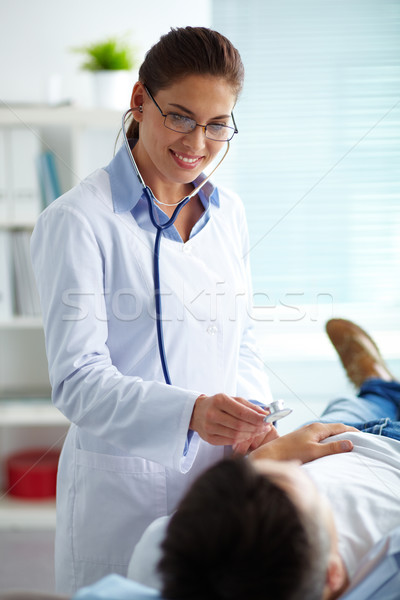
{"x": 117, "y": 497}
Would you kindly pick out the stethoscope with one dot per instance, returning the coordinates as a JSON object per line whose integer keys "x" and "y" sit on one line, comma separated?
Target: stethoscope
{"x": 277, "y": 411}
{"x": 160, "y": 227}
{"x": 276, "y": 408}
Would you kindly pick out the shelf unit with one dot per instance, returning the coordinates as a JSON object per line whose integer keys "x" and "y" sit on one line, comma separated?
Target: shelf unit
{"x": 20, "y": 515}
{"x": 21, "y": 322}
{"x": 17, "y": 417}
{"x": 33, "y": 412}
{"x": 82, "y": 140}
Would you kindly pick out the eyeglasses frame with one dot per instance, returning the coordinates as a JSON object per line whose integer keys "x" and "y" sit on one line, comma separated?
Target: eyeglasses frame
{"x": 204, "y": 127}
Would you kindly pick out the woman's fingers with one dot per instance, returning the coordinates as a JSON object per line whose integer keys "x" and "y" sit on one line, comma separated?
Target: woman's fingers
{"x": 251, "y": 406}
{"x": 232, "y": 435}
{"x": 235, "y": 424}
{"x": 241, "y": 409}
{"x": 267, "y": 436}
{"x": 221, "y": 419}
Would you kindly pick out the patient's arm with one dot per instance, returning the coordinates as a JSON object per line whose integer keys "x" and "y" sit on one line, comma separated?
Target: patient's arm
{"x": 304, "y": 443}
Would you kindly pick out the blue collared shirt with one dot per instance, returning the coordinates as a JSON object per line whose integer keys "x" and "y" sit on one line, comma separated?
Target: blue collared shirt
{"x": 127, "y": 193}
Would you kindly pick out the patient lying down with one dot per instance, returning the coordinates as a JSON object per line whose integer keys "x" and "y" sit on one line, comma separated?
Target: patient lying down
{"x": 268, "y": 527}
{"x": 261, "y": 529}
{"x": 254, "y": 530}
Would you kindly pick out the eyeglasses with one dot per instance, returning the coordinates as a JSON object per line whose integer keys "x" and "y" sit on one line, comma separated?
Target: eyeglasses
{"x": 213, "y": 131}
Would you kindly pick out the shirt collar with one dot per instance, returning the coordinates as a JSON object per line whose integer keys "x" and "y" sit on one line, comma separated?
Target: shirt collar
{"x": 127, "y": 190}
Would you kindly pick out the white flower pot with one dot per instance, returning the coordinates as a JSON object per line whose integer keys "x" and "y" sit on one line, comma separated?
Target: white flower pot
{"x": 113, "y": 89}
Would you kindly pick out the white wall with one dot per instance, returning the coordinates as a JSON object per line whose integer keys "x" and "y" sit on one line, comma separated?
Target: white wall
{"x": 35, "y": 41}
{"x": 36, "y": 37}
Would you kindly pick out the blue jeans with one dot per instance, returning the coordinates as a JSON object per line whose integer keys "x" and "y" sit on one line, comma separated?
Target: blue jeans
{"x": 376, "y": 409}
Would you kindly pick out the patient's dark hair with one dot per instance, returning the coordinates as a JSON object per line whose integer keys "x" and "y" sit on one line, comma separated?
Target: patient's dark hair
{"x": 189, "y": 51}
{"x": 236, "y": 535}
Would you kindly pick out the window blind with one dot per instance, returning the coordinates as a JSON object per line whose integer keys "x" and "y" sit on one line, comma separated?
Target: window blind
{"x": 317, "y": 157}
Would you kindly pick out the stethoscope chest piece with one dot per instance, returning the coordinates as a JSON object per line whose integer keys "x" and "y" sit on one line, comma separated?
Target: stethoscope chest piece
{"x": 277, "y": 411}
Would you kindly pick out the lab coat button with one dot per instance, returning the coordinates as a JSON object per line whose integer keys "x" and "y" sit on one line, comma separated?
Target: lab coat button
{"x": 187, "y": 249}
{"x": 212, "y": 330}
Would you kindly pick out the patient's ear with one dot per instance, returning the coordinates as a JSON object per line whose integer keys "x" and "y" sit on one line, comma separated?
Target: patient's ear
{"x": 336, "y": 578}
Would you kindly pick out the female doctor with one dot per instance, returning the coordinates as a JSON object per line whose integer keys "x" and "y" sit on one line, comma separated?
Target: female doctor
{"x": 148, "y": 415}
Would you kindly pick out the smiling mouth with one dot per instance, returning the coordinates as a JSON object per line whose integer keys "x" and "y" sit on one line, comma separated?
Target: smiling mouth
{"x": 186, "y": 159}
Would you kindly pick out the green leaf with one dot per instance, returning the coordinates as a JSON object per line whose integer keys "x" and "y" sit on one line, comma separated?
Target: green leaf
{"x": 111, "y": 54}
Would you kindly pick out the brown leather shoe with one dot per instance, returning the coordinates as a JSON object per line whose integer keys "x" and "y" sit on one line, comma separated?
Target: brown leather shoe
{"x": 357, "y": 351}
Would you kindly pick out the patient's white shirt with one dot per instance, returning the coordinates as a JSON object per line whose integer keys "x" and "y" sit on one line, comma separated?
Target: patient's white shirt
{"x": 147, "y": 553}
{"x": 363, "y": 488}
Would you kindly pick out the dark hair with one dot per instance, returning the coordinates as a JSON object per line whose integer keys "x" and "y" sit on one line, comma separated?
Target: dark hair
{"x": 237, "y": 535}
{"x": 187, "y": 51}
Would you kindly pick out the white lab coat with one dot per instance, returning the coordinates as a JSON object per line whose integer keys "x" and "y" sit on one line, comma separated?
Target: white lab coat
{"x": 124, "y": 461}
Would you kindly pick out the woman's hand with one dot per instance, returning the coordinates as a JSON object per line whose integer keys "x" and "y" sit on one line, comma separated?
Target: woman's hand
{"x": 223, "y": 420}
{"x": 304, "y": 443}
{"x": 256, "y": 442}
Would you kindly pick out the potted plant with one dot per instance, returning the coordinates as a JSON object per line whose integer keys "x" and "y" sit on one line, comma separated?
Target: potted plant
{"x": 111, "y": 62}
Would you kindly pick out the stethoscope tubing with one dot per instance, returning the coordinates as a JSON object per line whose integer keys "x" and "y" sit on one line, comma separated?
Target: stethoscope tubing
{"x": 160, "y": 227}
{"x": 157, "y": 284}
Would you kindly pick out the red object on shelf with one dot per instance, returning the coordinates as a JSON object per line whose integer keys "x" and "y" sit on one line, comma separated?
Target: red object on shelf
{"x": 32, "y": 474}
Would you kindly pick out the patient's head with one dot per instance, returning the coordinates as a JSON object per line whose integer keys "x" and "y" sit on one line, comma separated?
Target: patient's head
{"x": 242, "y": 533}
